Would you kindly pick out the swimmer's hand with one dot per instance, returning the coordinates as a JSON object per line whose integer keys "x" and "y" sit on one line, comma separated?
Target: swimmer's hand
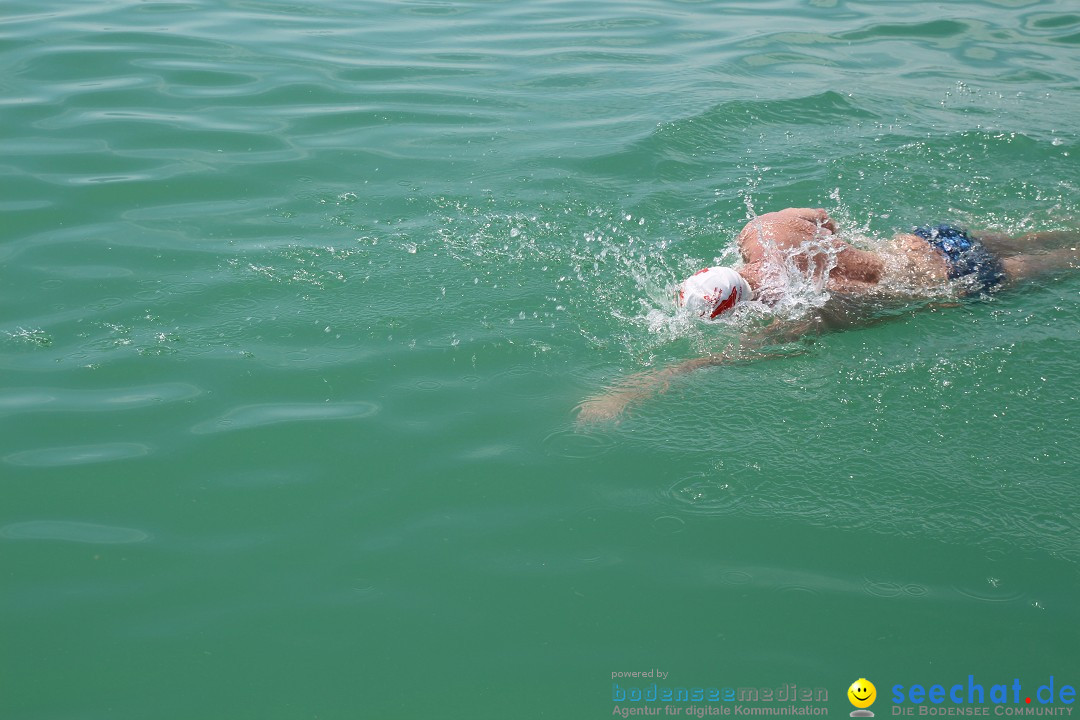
{"x": 603, "y": 408}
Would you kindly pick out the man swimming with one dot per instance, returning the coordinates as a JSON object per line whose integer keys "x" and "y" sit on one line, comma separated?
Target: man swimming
{"x": 803, "y": 244}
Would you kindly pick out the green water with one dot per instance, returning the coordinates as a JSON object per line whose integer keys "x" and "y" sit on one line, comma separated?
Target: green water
{"x": 297, "y": 302}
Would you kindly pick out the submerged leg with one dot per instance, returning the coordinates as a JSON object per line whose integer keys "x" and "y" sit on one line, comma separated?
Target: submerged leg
{"x": 1030, "y": 265}
{"x": 1005, "y": 245}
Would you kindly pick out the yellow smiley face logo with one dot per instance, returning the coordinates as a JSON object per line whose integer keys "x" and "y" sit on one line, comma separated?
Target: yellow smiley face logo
{"x": 862, "y": 693}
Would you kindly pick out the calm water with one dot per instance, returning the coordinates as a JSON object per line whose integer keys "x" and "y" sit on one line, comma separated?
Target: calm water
{"x": 297, "y": 302}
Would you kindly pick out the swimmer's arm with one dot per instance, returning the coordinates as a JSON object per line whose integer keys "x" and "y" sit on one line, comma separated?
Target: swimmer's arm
{"x": 611, "y": 404}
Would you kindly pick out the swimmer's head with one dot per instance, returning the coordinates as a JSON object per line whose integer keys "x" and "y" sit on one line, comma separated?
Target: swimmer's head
{"x": 713, "y": 291}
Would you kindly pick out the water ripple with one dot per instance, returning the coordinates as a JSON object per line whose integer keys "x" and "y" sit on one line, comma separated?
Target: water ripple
{"x": 703, "y": 495}
{"x": 252, "y": 416}
{"x": 577, "y": 445}
{"x": 77, "y": 454}
{"x": 72, "y": 532}
{"x": 20, "y": 400}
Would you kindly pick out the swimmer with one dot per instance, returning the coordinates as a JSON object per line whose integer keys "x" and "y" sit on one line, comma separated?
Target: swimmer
{"x": 934, "y": 261}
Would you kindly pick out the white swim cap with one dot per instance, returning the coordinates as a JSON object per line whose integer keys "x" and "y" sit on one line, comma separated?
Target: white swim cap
{"x": 713, "y": 291}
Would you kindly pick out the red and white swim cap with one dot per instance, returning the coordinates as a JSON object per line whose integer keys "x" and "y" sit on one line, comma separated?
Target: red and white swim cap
{"x": 713, "y": 291}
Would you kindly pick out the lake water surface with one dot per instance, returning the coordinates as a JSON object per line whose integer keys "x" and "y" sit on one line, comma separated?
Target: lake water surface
{"x": 297, "y": 301}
